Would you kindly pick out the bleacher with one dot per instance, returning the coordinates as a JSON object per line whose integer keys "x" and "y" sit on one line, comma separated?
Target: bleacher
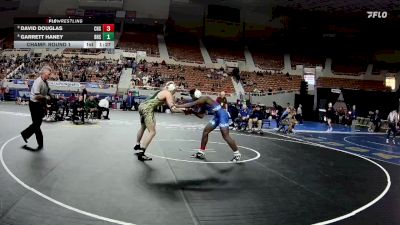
{"x": 306, "y": 60}
{"x": 227, "y": 51}
{"x": 9, "y": 41}
{"x": 265, "y": 82}
{"x": 348, "y": 69}
{"x": 140, "y": 41}
{"x": 193, "y": 77}
{"x": 390, "y": 67}
{"x": 184, "y": 48}
{"x": 349, "y": 65}
{"x": 267, "y": 60}
{"x": 327, "y": 82}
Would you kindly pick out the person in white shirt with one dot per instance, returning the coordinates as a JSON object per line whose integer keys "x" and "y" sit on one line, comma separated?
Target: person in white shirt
{"x": 104, "y": 105}
{"x": 393, "y": 120}
{"x": 40, "y": 93}
{"x": 299, "y": 114}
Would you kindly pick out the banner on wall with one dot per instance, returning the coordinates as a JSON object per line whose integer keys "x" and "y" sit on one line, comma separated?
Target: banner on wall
{"x": 95, "y": 85}
{"x": 67, "y": 84}
{"x": 141, "y": 54}
{"x": 24, "y": 94}
{"x": 64, "y": 84}
{"x": 25, "y": 82}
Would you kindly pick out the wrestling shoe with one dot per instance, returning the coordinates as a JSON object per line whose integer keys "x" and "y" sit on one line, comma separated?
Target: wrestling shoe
{"x": 142, "y": 157}
{"x": 199, "y": 155}
{"x": 236, "y": 157}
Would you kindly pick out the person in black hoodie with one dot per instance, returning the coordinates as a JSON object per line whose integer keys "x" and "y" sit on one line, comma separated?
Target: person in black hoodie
{"x": 79, "y": 109}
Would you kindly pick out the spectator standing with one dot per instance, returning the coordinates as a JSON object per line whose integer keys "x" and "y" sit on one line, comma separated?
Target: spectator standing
{"x": 84, "y": 94}
{"x": 222, "y": 100}
{"x": 353, "y": 118}
{"x": 299, "y": 114}
{"x": 330, "y": 114}
{"x": 233, "y": 112}
{"x": 377, "y": 121}
{"x": 393, "y": 119}
{"x": 2, "y": 89}
{"x": 342, "y": 116}
{"x": 6, "y": 93}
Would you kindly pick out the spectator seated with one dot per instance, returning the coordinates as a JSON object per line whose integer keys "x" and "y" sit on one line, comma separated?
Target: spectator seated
{"x": 91, "y": 109}
{"x": 78, "y": 109}
{"x": 53, "y": 111}
{"x": 103, "y": 106}
{"x": 256, "y": 118}
{"x": 186, "y": 77}
{"x": 241, "y": 122}
{"x": 66, "y": 69}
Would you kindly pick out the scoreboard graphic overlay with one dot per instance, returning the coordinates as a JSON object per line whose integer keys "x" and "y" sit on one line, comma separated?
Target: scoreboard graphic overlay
{"x": 63, "y": 33}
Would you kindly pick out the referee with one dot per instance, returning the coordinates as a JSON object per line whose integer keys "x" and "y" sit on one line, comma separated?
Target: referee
{"x": 39, "y": 94}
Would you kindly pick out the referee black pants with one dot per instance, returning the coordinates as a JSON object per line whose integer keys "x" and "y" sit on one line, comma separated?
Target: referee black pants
{"x": 392, "y": 129}
{"x": 37, "y": 114}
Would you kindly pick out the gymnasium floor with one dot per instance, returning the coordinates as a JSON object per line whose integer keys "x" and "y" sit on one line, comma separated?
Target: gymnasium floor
{"x": 88, "y": 174}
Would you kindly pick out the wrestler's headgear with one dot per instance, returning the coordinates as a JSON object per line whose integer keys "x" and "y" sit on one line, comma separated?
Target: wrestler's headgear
{"x": 170, "y": 86}
{"x": 195, "y": 93}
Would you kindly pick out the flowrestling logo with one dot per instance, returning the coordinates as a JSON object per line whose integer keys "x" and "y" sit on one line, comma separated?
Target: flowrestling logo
{"x": 377, "y": 14}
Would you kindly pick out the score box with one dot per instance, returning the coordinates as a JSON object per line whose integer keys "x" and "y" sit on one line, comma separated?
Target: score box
{"x": 105, "y": 44}
{"x": 89, "y": 44}
{"x": 108, "y": 36}
{"x": 108, "y": 27}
